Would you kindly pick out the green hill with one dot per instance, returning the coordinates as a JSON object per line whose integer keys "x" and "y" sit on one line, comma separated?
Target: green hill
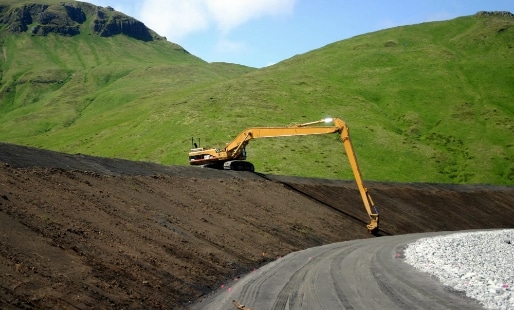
{"x": 425, "y": 103}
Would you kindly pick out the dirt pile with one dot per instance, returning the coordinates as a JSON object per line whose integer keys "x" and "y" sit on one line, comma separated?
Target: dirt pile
{"x": 82, "y": 232}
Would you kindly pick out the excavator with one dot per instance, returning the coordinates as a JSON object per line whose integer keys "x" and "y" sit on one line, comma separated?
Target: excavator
{"x": 233, "y": 156}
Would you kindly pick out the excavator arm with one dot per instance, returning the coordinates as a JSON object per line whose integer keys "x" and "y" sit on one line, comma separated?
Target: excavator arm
{"x": 235, "y": 147}
{"x": 371, "y": 209}
{"x": 234, "y": 154}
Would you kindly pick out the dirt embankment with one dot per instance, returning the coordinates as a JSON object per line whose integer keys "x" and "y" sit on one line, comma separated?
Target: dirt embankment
{"x": 81, "y": 232}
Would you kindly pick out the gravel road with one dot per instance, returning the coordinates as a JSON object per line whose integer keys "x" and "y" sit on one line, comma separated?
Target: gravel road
{"x": 477, "y": 263}
{"x": 358, "y": 274}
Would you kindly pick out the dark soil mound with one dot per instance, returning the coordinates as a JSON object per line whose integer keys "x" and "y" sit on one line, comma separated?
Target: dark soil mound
{"x": 81, "y": 232}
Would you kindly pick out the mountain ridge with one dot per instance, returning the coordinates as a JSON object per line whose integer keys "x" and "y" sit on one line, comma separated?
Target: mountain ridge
{"x": 69, "y": 19}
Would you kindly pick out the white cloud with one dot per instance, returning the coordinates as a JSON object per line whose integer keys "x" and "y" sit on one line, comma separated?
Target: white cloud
{"x": 229, "y": 14}
{"x": 176, "y": 19}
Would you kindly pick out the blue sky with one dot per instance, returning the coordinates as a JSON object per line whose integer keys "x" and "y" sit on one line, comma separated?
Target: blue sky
{"x": 259, "y": 33}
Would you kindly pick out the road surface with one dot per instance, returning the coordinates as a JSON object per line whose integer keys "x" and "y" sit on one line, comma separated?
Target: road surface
{"x": 358, "y": 274}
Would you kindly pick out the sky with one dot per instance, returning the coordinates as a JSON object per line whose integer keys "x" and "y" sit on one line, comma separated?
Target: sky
{"x": 259, "y": 33}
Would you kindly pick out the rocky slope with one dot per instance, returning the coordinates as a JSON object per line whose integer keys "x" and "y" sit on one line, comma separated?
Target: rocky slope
{"x": 70, "y": 19}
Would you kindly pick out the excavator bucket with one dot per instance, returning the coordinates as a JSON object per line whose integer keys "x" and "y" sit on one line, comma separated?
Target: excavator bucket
{"x": 373, "y": 224}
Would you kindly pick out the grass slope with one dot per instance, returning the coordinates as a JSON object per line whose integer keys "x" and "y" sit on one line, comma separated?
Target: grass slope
{"x": 425, "y": 103}
{"x": 95, "y": 95}
{"x": 433, "y": 100}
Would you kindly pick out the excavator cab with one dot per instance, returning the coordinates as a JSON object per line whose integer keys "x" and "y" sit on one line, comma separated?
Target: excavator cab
{"x": 195, "y": 154}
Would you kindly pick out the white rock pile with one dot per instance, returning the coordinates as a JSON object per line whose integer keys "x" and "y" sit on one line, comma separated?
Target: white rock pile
{"x": 479, "y": 263}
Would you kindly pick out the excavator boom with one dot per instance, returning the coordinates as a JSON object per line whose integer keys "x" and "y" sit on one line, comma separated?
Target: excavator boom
{"x": 233, "y": 156}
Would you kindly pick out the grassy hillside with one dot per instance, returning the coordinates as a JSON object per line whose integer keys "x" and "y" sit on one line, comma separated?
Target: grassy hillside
{"x": 430, "y": 102}
{"x": 92, "y": 94}
{"x": 434, "y": 100}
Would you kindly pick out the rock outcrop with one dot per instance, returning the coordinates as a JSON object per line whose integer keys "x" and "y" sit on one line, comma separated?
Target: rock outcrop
{"x": 70, "y": 19}
{"x": 495, "y": 13}
{"x": 107, "y": 25}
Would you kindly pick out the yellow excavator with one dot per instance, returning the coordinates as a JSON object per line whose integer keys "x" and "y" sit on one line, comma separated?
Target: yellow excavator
{"x": 233, "y": 156}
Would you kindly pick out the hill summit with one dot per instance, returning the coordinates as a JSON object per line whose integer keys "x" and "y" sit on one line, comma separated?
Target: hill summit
{"x": 70, "y": 19}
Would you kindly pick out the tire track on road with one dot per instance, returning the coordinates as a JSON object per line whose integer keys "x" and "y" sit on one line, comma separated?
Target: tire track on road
{"x": 357, "y": 274}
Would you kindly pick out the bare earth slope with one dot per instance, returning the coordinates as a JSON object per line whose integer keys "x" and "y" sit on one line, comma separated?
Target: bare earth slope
{"x": 79, "y": 231}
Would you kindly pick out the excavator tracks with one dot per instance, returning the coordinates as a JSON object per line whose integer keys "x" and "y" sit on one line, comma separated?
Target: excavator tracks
{"x": 238, "y": 165}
